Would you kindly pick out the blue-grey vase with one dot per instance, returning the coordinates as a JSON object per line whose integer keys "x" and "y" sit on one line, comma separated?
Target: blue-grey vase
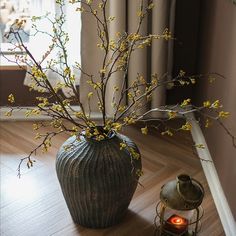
{"x": 97, "y": 179}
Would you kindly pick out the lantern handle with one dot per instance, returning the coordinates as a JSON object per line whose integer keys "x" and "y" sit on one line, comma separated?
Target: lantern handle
{"x": 190, "y": 200}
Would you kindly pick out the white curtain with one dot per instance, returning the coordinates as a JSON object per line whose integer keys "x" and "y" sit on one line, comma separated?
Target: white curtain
{"x": 158, "y": 60}
{"x": 39, "y": 43}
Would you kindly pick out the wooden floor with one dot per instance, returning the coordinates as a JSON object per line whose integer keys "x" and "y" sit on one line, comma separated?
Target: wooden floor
{"x": 34, "y": 205}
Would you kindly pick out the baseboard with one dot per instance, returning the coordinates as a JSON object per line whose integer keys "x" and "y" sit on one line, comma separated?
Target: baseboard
{"x": 210, "y": 172}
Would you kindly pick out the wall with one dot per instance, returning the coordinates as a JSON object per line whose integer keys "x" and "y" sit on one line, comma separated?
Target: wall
{"x": 218, "y": 54}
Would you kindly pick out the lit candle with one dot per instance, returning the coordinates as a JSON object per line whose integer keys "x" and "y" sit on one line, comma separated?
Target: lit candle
{"x": 176, "y": 224}
{"x": 176, "y": 220}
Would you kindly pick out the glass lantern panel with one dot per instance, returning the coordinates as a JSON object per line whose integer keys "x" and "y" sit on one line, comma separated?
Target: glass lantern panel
{"x": 188, "y": 215}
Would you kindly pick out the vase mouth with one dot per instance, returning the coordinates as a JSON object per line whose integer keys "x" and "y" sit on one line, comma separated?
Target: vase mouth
{"x": 108, "y": 135}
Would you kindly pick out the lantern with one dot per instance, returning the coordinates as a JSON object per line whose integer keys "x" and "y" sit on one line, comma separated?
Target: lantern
{"x": 179, "y": 211}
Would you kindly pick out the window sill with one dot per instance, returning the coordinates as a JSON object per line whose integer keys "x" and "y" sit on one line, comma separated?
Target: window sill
{"x": 8, "y": 65}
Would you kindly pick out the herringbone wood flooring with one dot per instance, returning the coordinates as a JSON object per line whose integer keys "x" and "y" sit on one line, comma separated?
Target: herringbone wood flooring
{"x": 34, "y": 205}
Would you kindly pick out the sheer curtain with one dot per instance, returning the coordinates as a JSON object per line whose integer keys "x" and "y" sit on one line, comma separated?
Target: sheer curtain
{"x": 157, "y": 59}
{"x": 39, "y": 43}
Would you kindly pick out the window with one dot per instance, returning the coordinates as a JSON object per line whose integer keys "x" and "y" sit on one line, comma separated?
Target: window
{"x": 10, "y": 10}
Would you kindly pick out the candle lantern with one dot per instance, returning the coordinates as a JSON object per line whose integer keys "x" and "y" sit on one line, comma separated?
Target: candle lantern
{"x": 179, "y": 211}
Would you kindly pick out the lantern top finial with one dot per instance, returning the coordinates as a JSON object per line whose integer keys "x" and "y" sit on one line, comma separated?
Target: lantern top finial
{"x": 183, "y": 193}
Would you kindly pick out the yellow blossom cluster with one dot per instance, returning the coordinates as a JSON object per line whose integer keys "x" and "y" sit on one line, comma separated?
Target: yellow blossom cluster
{"x": 135, "y": 155}
{"x": 11, "y": 98}
{"x": 187, "y": 126}
{"x": 167, "y": 132}
{"x": 37, "y": 73}
{"x": 172, "y": 114}
{"x": 223, "y": 114}
{"x": 144, "y": 130}
{"x": 129, "y": 120}
{"x": 200, "y": 145}
{"x": 32, "y": 112}
{"x": 139, "y": 172}
{"x": 185, "y": 102}
{"x": 8, "y": 113}
{"x": 46, "y": 144}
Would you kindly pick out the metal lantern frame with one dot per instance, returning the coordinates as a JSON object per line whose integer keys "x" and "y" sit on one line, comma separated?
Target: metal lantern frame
{"x": 160, "y": 212}
{"x": 185, "y": 194}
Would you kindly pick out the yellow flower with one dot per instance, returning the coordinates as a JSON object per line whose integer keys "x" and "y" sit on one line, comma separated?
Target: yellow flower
{"x": 135, "y": 155}
{"x": 134, "y": 37}
{"x": 57, "y": 107}
{"x": 167, "y": 35}
{"x": 97, "y": 85}
{"x": 117, "y": 126}
{"x": 111, "y": 18}
{"x": 90, "y": 94}
{"x": 36, "y": 126}
{"x": 168, "y": 132}
{"x": 112, "y": 44}
{"x": 38, "y": 136}
{"x": 123, "y": 46}
{"x": 8, "y": 113}
{"x": 150, "y": 6}
{"x": 186, "y": 126}
{"x": 211, "y": 79}
{"x": 207, "y": 123}
{"x": 182, "y": 73}
{"x": 103, "y": 71}
{"x": 100, "y": 45}
{"x": 88, "y": 133}
{"x": 140, "y": 14}
{"x": 100, "y": 137}
{"x": 11, "y": 98}
{"x": 67, "y": 71}
{"x": 172, "y": 114}
{"x": 182, "y": 82}
{"x": 118, "y": 34}
{"x": 100, "y": 5}
{"x": 185, "y": 102}
{"x": 116, "y": 88}
{"x": 223, "y": 114}
{"x": 67, "y": 147}
{"x": 206, "y": 104}
{"x": 130, "y": 96}
{"x": 199, "y": 146}
{"x": 121, "y": 108}
{"x": 33, "y": 112}
{"x": 139, "y": 172}
{"x": 193, "y": 81}
{"x": 79, "y": 114}
{"x": 144, "y": 130}
{"x": 216, "y": 104}
{"x": 122, "y": 146}
{"x": 129, "y": 120}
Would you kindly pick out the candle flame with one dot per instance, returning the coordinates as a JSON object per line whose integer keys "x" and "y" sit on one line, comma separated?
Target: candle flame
{"x": 177, "y": 220}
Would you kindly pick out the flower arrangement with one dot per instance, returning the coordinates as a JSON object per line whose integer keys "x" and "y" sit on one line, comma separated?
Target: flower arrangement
{"x": 116, "y": 58}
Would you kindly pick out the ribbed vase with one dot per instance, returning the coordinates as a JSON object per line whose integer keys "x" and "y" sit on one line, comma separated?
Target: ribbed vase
{"x": 97, "y": 179}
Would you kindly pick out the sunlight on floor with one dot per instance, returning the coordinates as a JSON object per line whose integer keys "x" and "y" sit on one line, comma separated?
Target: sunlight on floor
{"x": 25, "y": 188}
